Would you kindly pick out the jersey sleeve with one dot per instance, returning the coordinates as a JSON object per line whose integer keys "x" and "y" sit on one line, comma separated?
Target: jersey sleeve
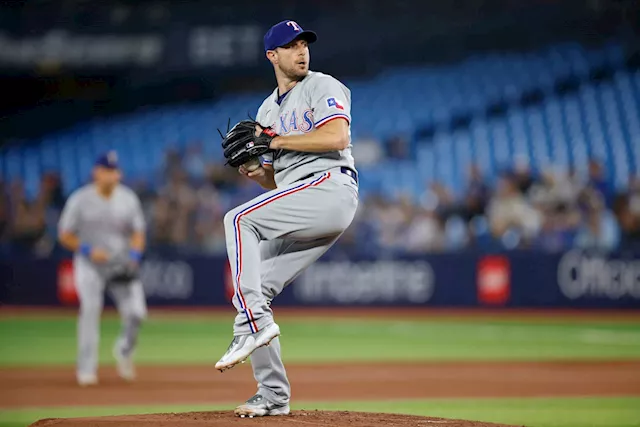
{"x": 267, "y": 159}
{"x": 69, "y": 221}
{"x": 330, "y": 100}
{"x": 138, "y": 223}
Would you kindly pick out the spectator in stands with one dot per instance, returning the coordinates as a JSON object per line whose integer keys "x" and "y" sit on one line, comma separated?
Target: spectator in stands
{"x": 398, "y": 148}
{"x": 144, "y": 191}
{"x": 28, "y": 225}
{"x": 423, "y": 233}
{"x": 389, "y": 220}
{"x": 147, "y": 197}
{"x": 367, "y": 223}
{"x": 209, "y": 229}
{"x": 628, "y": 215}
{"x": 179, "y": 202}
{"x": 574, "y": 185}
{"x": 560, "y": 224}
{"x": 223, "y": 178}
{"x": 172, "y": 162}
{"x": 162, "y": 223}
{"x": 52, "y": 187}
{"x": 476, "y": 195}
{"x": 457, "y": 233}
{"x": 555, "y": 188}
{"x": 634, "y": 195}
{"x": 179, "y": 191}
{"x": 522, "y": 174}
{"x": 51, "y": 200}
{"x": 598, "y": 181}
{"x": 554, "y": 196}
{"x": 509, "y": 211}
{"x": 438, "y": 198}
{"x": 599, "y": 230}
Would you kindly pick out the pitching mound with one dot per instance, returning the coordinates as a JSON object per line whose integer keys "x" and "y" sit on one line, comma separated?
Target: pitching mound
{"x": 226, "y": 418}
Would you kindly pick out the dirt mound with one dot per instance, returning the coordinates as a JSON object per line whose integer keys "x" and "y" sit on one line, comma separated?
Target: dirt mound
{"x": 226, "y": 418}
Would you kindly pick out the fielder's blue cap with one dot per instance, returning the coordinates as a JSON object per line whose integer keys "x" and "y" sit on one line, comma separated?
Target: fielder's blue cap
{"x": 285, "y": 32}
{"x": 108, "y": 160}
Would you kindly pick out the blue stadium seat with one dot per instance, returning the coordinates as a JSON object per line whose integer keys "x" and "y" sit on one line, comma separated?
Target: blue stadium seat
{"x": 601, "y": 120}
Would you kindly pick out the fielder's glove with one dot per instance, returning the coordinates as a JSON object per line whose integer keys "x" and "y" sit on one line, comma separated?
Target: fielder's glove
{"x": 123, "y": 274}
{"x": 241, "y": 144}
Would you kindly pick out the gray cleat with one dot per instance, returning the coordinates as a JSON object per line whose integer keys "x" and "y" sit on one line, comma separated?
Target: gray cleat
{"x": 259, "y": 406}
{"x": 243, "y": 345}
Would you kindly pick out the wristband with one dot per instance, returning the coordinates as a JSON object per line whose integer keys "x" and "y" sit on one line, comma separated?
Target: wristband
{"x": 85, "y": 249}
{"x": 135, "y": 255}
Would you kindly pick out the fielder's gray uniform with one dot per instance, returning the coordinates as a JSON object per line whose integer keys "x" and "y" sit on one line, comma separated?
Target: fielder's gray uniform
{"x": 274, "y": 237}
{"x": 106, "y": 224}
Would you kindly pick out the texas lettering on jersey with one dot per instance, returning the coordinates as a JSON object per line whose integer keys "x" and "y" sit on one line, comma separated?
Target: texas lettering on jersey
{"x": 291, "y": 121}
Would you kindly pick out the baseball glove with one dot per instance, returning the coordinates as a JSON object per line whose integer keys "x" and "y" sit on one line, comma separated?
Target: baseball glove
{"x": 241, "y": 144}
{"x": 123, "y": 274}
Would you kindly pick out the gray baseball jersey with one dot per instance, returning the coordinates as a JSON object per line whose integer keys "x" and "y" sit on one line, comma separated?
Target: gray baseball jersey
{"x": 106, "y": 224}
{"x": 311, "y": 103}
{"x": 103, "y": 223}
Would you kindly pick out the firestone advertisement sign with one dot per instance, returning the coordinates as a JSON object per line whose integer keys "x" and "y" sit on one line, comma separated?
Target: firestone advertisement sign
{"x": 525, "y": 280}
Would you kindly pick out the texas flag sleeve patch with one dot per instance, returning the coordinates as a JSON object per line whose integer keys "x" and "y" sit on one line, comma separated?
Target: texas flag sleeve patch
{"x": 334, "y": 102}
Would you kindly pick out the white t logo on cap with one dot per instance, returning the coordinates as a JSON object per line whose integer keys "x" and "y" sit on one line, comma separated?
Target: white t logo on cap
{"x": 294, "y": 25}
{"x": 112, "y": 157}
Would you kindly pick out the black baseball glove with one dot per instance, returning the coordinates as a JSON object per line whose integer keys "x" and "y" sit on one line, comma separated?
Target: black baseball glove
{"x": 123, "y": 274}
{"x": 241, "y": 144}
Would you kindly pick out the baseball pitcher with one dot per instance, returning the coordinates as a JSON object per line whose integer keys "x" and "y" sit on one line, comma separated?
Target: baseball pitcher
{"x": 302, "y": 136}
{"x": 103, "y": 224}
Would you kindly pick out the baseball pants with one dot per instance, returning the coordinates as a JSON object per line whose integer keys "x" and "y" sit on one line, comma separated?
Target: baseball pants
{"x": 131, "y": 305}
{"x": 270, "y": 241}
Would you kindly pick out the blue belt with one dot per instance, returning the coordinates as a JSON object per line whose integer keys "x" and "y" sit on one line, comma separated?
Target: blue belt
{"x": 345, "y": 170}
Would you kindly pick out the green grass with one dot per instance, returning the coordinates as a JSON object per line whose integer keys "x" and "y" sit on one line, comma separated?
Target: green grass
{"x": 197, "y": 340}
{"x": 534, "y": 412}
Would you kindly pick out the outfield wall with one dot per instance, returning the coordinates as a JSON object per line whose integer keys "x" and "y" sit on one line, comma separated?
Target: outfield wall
{"x": 516, "y": 279}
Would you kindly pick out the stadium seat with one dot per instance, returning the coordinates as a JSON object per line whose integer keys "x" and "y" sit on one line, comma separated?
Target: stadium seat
{"x": 599, "y": 120}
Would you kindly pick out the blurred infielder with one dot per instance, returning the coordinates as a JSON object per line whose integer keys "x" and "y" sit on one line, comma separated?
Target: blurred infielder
{"x": 103, "y": 224}
{"x": 302, "y": 132}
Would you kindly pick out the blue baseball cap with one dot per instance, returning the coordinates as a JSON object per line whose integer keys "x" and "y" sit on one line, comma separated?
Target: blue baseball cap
{"x": 285, "y": 32}
{"x": 108, "y": 160}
